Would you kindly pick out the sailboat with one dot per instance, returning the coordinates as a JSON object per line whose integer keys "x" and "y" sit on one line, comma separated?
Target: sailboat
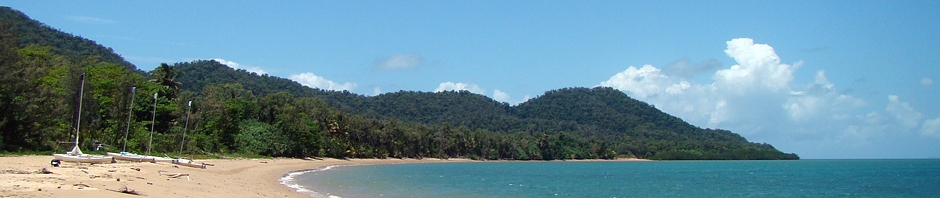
{"x": 76, "y": 155}
{"x": 127, "y": 156}
{"x": 180, "y": 160}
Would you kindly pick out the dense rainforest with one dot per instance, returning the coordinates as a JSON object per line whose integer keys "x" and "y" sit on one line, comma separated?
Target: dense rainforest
{"x": 235, "y": 111}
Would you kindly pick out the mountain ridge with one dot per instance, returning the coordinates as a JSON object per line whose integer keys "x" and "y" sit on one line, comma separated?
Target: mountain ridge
{"x": 236, "y": 111}
{"x": 599, "y": 112}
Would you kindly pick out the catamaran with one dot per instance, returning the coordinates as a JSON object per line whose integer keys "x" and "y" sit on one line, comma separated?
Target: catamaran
{"x": 127, "y": 156}
{"x": 76, "y": 155}
{"x": 180, "y": 160}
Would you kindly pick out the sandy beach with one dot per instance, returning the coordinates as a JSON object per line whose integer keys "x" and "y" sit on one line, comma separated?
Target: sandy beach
{"x": 21, "y": 177}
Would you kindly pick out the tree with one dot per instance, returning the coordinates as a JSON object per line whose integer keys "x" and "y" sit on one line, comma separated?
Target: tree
{"x": 165, "y": 77}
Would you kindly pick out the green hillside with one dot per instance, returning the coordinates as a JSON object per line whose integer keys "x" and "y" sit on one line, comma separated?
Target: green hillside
{"x": 627, "y": 126}
{"x": 234, "y": 111}
{"x": 27, "y": 32}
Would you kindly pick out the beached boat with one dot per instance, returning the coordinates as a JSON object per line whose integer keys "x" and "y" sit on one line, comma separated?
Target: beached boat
{"x": 190, "y": 163}
{"x": 138, "y": 158}
{"x": 180, "y": 160}
{"x": 127, "y": 156}
{"x": 76, "y": 155}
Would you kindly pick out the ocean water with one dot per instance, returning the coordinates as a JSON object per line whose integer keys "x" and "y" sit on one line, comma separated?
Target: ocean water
{"x": 803, "y": 178}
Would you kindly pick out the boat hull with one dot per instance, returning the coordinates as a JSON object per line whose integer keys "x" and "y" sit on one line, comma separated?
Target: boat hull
{"x": 189, "y": 163}
{"x": 138, "y": 158}
{"x": 93, "y": 159}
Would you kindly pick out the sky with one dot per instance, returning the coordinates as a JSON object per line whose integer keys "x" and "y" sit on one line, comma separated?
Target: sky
{"x": 823, "y": 79}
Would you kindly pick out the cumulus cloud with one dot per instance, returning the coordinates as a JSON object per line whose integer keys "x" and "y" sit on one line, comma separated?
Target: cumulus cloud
{"x": 234, "y": 65}
{"x": 758, "y": 80}
{"x": 754, "y": 96}
{"x": 644, "y": 82}
{"x": 758, "y": 97}
{"x": 450, "y": 86}
{"x": 926, "y": 82}
{"x": 89, "y": 20}
{"x": 311, "y": 80}
{"x": 399, "y": 62}
{"x": 903, "y": 112}
{"x": 682, "y": 68}
{"x": 758, "y": 68}
{"x": 931, "y": 128}
{"x": 818, "y": 99}
{"x": 376, "y": 91}
{"x": 500, "y": 96}
{"x": 504, "y": 97}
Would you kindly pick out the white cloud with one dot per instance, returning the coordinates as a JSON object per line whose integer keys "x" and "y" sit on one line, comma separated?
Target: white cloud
{"x": 504, "y": 97}
{"x": 759, "y": 98}
{"x": 926, "y": 82}
{"x": 754, "y": 97}
{"x": 399, "y": 62}
{"x": 310, "y": 80}
{"x": 236, "y": 66}
{"x": 682, "y": 68}
{"x": 903, "y": 112}
{"x": 931, "y": 128}
{"x": 376, "y": 91}
{"x": 647, "y": 81}
{"x": 89, "y": 20}
{"x": 500, "y": 96}
{"x": 820, "y": 99}
{"x": 450, "y": 86}
{"x": 758, "y": 68}
{"x": 758, "y": 81}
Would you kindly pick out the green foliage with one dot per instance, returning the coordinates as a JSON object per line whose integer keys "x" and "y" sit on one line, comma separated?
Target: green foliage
{"x": 260, "y": 138}
{"x": 77, "y": 49}
{"x": 571, "y": 123}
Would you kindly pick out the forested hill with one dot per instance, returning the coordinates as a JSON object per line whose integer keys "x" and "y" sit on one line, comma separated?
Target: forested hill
{"x": 234, "y": 111}
{"x": 195, "y": 75}
{"x": 628, "y": 125}
{"x": 26, "y": 31}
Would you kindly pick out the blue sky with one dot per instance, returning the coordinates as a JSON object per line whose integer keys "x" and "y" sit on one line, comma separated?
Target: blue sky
{"x": 824, "y": 79}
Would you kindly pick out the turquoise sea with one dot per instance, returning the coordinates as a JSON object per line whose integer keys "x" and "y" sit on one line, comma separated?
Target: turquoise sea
{"x": 802, "y": 178}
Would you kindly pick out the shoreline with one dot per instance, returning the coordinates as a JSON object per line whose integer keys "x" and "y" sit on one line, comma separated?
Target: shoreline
{"x": 20, "y": 176}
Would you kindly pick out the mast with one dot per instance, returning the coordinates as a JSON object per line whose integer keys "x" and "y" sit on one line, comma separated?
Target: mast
{"x": 78, "y": 121}
{"x": 189, "y": 107}
{"x": 130, "y": 112}
{"x": 153, "y": 123}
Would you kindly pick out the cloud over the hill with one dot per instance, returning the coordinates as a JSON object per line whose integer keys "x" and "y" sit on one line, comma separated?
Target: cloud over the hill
{"x": 234, "y": 65}
{"x": 451, "y": 86}
{"x": 757, "y": 97}
{"x": 313, "y": 81}
{"x": 504, "y": 97}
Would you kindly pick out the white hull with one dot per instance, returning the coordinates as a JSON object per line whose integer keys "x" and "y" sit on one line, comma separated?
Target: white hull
{"x": 138, "y": 158}
{"x": 94, "y": 159}
{"x": 189, "y": 163}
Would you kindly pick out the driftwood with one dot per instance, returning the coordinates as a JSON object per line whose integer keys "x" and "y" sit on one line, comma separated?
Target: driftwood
{"x": 173, "y": 175}
{"x": 15, "y": 172}
{"x": 126, "y": 190}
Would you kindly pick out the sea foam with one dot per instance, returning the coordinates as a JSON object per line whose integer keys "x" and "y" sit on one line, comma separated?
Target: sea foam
{"x": 288, "y": 180}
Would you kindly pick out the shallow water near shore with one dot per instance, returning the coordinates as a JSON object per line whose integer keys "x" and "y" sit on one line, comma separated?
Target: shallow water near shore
{"x": 865, "y": 178}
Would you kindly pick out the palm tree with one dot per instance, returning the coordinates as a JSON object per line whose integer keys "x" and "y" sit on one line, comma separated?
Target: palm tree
{"x": 165, "y": 76}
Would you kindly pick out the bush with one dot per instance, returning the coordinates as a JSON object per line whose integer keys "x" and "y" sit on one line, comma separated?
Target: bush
{"x": 260, "y": 138}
